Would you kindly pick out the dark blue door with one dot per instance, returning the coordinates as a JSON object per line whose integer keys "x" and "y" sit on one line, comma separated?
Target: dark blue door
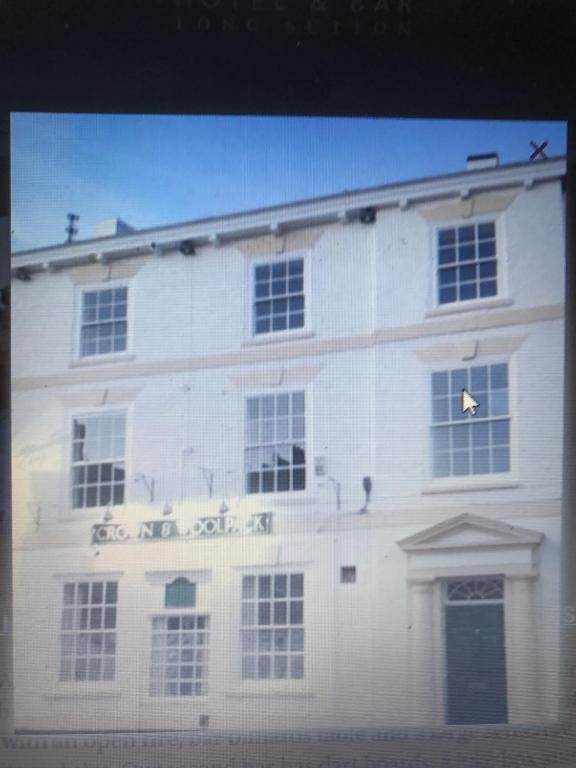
{"x": 475, "y": 664}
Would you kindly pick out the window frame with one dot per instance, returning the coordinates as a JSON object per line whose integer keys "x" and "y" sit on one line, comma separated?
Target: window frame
{"x": 81, "y": 359}
{"x": 270, "y": 260}
{"x": 68, "y": 511}
{"x": 308, "y": 442}
{"x": 168, "y": 613}
{"x": 76, "y": 579}
{"x": 304, "y": 686}
{"x": 501, "y": 261}
{"x": 473, "y": 482}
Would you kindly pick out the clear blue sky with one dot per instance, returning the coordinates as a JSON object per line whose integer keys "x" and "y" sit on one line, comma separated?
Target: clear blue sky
{"x": 156, "y": 170}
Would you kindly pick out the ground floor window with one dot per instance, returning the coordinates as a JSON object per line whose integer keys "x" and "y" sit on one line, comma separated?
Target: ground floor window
{"x": 272, "y": 634}
{"x": 179, "y": 665}
{"x": 88, "y": 638}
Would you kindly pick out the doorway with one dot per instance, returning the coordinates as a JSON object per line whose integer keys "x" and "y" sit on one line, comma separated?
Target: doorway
{"x": 476, "y": 689}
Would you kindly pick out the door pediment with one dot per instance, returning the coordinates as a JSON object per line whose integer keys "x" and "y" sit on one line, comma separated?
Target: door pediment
{"x": 469, "y": 531}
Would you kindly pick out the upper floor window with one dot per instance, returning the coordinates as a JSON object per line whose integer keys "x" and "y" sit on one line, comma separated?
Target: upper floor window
{"x": 98, "y": 470}
{"x": 463, "y": 444}
{"x": 467, "y": 263}
{"x": 104, "y": 322}
{"x": 88, "y": 639}
{"x": 278, "y": 296}
{"x": 272, "y": 635}
{"x": 275, "y": 453}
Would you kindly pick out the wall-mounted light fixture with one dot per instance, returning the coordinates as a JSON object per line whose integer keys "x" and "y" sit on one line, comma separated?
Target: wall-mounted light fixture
{"x": 187, "y": 248}
{"x": 368, "y": 215}
{"x": 336, "y": 485}
{"x": 23, "y": 274}
{"x": 367, "y": 486}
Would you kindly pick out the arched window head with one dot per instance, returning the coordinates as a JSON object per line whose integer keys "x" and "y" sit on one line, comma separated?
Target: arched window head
{"x": 180, "y": 593}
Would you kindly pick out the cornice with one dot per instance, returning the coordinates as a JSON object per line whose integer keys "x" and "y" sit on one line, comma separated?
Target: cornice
{"x": 341, "y": 208}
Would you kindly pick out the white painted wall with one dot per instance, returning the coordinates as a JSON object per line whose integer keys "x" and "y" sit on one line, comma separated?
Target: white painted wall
{"x": 368, "y": 414}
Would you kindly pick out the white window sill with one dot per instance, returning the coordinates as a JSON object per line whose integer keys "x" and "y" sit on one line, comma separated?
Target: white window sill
{"x": 119, "y": 357}
{"x": 92, "y": 514}
{"x": 78, "y": 693}
{"x": 276, "y": 693}
{"x": 468, "y": 306}
{"x": 294, "y": 499}
{"x": 278, "y": 337}
{"x": 471, "y": 483}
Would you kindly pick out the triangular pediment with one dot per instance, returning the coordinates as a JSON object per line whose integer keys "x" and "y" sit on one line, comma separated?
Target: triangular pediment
{"x": 470, "y": 531}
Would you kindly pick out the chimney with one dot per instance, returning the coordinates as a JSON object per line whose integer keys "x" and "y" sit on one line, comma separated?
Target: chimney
{"x": 111, "y": 227}
{"x": 479, "y": 162}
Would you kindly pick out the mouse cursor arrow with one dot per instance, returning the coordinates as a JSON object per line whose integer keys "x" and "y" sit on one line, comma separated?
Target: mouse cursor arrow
{"x": 468, "y": 403}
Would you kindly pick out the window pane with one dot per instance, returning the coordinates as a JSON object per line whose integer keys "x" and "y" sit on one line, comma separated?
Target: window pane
{"x": 461, "y": 463}
{"x": 298, "y": 403}
{"x": 279, "y": 323}
{"x": 296, "y": 267}
{"x": 465, "y": 234}
{"x": 97, "y": 592}
{"x": 280, "y": 612}
{"x": 264, "y": 614}
{"x": 500, "y": 432}
{"x": 441, "y": 465}
{"x": 248, "y": 614}
{"x": 296, "y": 585}
{"x": 111, "y": 591}
{"x": 467, "y": 273}
{"x": 501, "y": 457}
{"x": 448, "y": 276}
{"x": 446, "y": 256}
{"x": 297, "y": 667}
{"x": 69, "y": 591}
{"x": 480, "y": 434}
{"x": 460, "y": 437}
{"x": 446, "y": 236}
{"x": 296, "y": 639}
{"x": 487, "y": 249}
{"x": 248, "y": 587}
{"x": 479, "y": 378}
{"x": 280, "y": 667}
{"x": 447, "y": 295}
{"x": 499, "y": 403}
{"x": 279, "y": 287}
{"x": 481, "y": 461}
{"x": 440, "y": 409}
{"x": 487, "y": 269}
{"x": 264, "y": 587}
{"x": 265, "y": 640}
{"x": 441, "y": 439}
{"x": 249, "y": 667}
{"x": 499, "y": 376}
{"x": 296, "y": 612}
{"x": 488, "y": 288}
{"x": 249, "y": 640}
{"x": 467, "y": 291}
{"x": 279, "y": 269}
{"x": 440, "y": 383}
{"x": 264, "y": 667}
{"x": 280, "y": 586}
{"x": 296, "y": 320}
{"x": 486, "y": 230}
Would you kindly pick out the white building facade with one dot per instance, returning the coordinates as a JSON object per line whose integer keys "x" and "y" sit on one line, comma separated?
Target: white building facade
{"x": 245, "y": 495}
